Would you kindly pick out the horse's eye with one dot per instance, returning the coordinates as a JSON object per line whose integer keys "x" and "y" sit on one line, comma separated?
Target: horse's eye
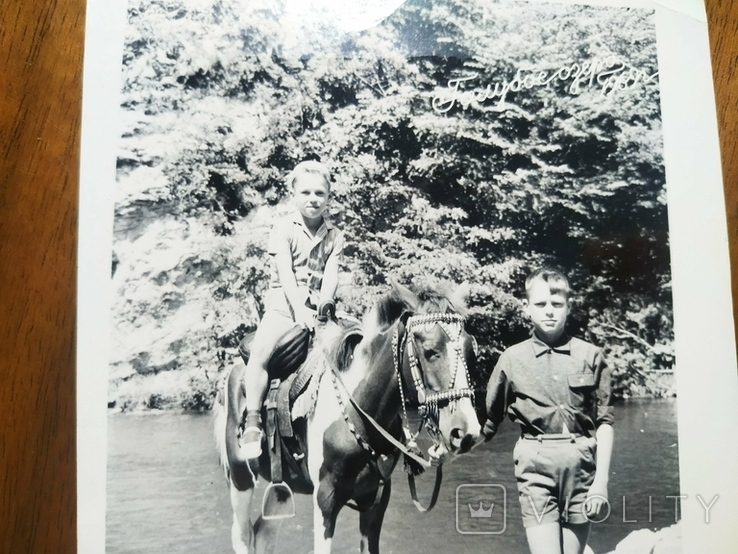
{"x": 432, "y": 355}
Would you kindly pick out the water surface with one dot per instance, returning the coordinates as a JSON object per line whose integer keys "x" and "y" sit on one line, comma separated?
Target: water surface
{"x": 167, "y": 494}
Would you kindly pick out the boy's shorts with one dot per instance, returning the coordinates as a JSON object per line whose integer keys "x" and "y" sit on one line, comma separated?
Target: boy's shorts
{"x": 554, "y": 474}
{"x": 277, "y": 321}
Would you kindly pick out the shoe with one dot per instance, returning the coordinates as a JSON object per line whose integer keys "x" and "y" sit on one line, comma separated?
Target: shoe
{"x": 250, "y": 439}
{"x": 251, "y": 442}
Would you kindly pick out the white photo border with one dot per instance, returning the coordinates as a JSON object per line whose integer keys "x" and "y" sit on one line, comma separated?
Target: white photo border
{"x": 706, "y": 374}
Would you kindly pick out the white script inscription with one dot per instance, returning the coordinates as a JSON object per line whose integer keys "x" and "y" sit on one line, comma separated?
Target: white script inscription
{"x": 609, "y": 75}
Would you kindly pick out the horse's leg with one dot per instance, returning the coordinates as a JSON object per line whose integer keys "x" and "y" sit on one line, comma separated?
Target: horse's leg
{"x": 265, "y": 530}
{"x": 241, "y": 531}
{"x": 370, "y": 521}
{"x": 241, "y": 479}
{"x": 265, "y": 535}
{"x": 325, "y": 513}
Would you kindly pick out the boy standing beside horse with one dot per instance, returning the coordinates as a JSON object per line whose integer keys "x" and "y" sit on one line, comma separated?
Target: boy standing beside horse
{"x": 305, "y": 249}
{"x": 558, "y": 389}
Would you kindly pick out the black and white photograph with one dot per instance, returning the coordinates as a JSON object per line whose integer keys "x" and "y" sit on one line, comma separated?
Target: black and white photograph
{"x": 391, "y": 276}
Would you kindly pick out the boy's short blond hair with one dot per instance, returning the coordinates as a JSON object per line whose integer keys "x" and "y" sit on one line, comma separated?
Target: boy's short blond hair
{"x": 555, "y": 279}
{"x": 309, "y": 166}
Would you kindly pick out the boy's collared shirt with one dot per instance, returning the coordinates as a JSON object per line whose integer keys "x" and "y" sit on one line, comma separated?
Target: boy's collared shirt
{"x": 310, "y": 253}
{"x": 548, "y": 389}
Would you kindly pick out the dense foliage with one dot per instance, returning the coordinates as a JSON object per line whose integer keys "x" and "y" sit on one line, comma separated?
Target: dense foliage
{"x": 470, "y": 141}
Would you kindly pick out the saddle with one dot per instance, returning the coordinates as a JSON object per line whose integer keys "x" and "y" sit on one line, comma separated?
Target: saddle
{"x": 292, "y": 395}
{"x": 289, "y": 353}
{"x": 290, "y": 401}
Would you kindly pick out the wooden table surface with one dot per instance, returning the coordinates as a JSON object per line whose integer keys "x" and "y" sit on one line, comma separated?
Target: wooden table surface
{"x": 41, "y": 47}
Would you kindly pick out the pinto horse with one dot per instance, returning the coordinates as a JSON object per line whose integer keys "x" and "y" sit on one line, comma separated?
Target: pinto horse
{"x": 413, "y": 351}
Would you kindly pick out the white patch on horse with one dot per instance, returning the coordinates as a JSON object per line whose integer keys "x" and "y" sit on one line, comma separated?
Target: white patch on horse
{"x": 321, "y": 543}
{"x": 466, "y": 404}
{"x": 221, "y": 417}
{"x": 326, "y": 412}
{"x": 241, "y": 529}
{"x": 359, "y": 367}
{"x": 453, "y": 356}
{"x": 371, "y": 327}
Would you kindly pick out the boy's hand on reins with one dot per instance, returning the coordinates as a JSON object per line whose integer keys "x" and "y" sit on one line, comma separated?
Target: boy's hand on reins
{"x": 305, "y": 316}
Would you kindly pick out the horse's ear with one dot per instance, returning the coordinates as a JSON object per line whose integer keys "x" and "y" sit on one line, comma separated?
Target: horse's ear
{"x": 475, "y": 345}
{"x": 394, "y": 304}
{"x": 460, "y": 296}
{"x": 405, "y": 295}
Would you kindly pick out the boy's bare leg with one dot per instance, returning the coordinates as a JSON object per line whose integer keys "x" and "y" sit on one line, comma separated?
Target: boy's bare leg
{"x": 256, "y": 379}
{"x": 553, "y": 538}
{"x": 574, "y": 537}
{"x": 544, "y": 538}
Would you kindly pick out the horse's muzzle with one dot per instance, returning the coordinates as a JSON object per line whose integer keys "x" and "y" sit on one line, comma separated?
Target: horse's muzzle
{"x": 462, "y": 441}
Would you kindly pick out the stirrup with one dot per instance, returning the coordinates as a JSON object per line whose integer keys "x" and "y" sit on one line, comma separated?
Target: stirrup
{"x": 272, "y": 491}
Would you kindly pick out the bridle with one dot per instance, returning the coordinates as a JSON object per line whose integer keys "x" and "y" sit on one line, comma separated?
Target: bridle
{"x": 429, "y": 402}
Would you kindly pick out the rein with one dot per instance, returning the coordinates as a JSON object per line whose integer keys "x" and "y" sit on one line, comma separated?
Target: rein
{"x": 429, "y": 401}
{"x": 371, "y": 421}
{"x": 392, "y": 440}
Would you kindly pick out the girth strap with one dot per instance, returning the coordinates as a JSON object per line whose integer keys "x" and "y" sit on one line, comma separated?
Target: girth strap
{"x": 274, "y": 440}
{"x": 284, "y": 418}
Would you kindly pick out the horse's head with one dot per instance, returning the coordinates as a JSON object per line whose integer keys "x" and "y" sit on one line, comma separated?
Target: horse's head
{"x": 435, "y": 352}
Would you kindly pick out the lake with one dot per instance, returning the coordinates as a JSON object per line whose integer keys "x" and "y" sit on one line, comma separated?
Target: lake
{"x": 166, "y": 492}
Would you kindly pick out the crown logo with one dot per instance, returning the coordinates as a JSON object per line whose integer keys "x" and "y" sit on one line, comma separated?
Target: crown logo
{"x": 481, "y": 512}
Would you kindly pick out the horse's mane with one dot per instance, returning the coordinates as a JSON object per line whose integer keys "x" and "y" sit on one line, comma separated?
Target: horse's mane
{"x": 426, "y": 300}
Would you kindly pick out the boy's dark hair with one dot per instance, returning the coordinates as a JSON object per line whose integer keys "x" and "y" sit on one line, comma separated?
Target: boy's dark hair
{"x": 555, "y": 279}
{"x": 309, "y": 166}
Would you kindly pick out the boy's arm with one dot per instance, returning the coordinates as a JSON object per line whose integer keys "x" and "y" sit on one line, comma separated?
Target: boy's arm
{"x": 605, "y": 435}
{"x": 597, "y": 495}
{"x": 330, "y": 273}
{"x": 497, "y": 400}
{"x": 283, "y": 261}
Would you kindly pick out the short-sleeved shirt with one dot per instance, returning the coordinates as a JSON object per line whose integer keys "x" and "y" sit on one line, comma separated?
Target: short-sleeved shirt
{"x": 546, "y": 389}
{"x": 310, "y": 253}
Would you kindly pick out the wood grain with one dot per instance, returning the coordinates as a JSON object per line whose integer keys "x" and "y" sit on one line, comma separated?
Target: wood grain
{"x": 722, "y": 20}
{"x": 40, "y": 93}
{"x": 41, "y": 45}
